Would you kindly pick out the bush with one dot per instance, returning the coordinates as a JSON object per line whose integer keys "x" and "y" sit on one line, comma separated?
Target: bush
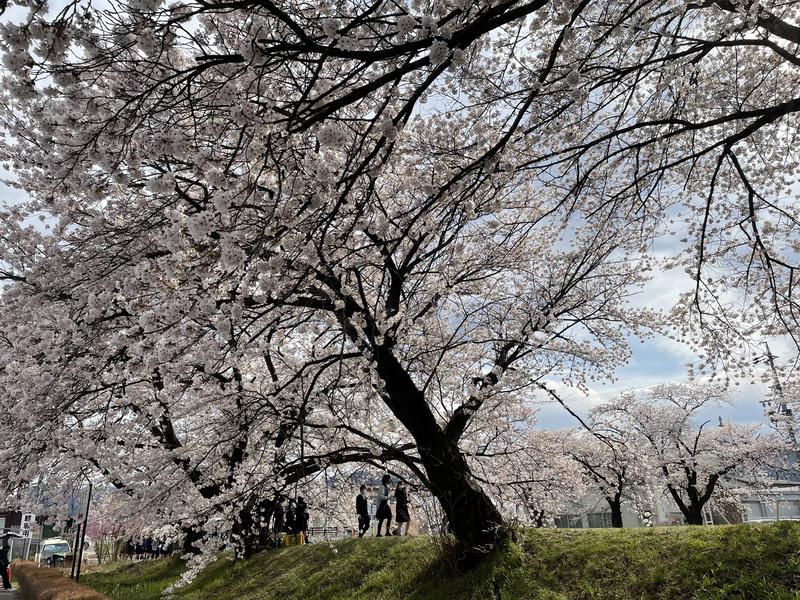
{"x": 49, "y": 584}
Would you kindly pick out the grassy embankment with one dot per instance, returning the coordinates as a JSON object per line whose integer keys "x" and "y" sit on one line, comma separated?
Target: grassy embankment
{"x": 710, "y": 563}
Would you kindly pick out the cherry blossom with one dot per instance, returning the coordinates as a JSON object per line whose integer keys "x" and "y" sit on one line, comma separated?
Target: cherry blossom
{"x": 284, "y": 239}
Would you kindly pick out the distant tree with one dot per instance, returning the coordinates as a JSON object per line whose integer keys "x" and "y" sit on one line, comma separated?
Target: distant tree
{"x": 692, "y": 452}
{"x": 614, "y": 465}
{"x": 532, "y": 479}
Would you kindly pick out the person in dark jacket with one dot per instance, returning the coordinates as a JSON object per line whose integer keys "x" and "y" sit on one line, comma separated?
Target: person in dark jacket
{"x": 4, "y": 562}
{"x": 362, "y": 510}
{"x": 290, "y": 523}
{"x": 384, "y": 512}
{"x": 401, "y": 515}
{"x": 302, "y": 518}
{"x": 279, "y": 523}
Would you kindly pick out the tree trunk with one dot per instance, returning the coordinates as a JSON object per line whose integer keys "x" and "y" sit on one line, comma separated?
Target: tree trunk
{"x": 251, "y": 527}
{"x": 693, "y": 515}
{"x": 471, "y": 514}
{"x": 538, "y": 518}
{"x": 699, "y": 498}
{"x": 692, "y": 512}
{"x": 616, "y": 511}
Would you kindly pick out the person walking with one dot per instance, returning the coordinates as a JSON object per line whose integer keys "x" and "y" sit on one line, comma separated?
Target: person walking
{"x": 4, "y": 562}
{"x": 384, "y": 512}
{"x": 401, "y": 515}
{"x": 280, "y": 521}
{"x": 362, "y": 510}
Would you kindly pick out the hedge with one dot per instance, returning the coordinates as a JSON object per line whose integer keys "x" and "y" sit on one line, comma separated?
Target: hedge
{"x": 49, "y": 584}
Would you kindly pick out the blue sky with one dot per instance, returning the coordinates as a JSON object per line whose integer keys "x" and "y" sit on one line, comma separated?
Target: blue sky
{"x": 657, "y": 360}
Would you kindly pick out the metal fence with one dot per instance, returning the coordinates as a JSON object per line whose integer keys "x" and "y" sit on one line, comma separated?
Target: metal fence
{"x": 329, "y": 533}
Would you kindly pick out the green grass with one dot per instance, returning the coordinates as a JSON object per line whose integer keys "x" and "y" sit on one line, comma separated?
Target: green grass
{"x": 134, "y": 581}
{"x": 707, "y": 563}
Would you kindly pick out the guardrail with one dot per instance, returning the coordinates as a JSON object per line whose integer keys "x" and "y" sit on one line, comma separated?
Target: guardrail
{"x": 773, "y": 519}
{"x": 330, "y": 533}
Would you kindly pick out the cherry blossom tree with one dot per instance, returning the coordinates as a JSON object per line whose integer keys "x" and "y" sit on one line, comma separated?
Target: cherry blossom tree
{"x": 693, "y": 454}
{"x": 546, "y": 483}
{"x": 383, "y": 223}
{"x": 613, "y": 465}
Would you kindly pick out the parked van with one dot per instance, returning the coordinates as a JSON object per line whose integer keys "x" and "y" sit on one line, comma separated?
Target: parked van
{"x": 52, "y": 551}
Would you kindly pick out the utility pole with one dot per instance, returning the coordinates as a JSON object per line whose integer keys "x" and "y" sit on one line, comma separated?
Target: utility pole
{"x": 74, "y": 550}
{"x": 83, "y": 532}
{"x": 781, "y": 408}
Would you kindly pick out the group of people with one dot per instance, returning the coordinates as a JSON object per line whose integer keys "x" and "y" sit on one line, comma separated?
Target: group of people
{"x": 384, "y": 510}
{"x": 144, "y": 549}
{"x": 290, "y": 515}
{"x": 292, "y": 518}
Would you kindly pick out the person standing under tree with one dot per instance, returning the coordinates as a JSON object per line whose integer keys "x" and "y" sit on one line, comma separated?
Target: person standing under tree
{"x": 362, "y": 510}
{"x": 4, "y": 562}
{"x": 402, "y": 516}
{"x": 384, "y": 512}
{"x": 302, "y": 518}
{"x": 290, "y": 520}
{"x": 279, "y": 515}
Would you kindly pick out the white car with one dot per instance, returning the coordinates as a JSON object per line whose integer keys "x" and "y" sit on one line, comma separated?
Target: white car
{"x": 50, "y": 547}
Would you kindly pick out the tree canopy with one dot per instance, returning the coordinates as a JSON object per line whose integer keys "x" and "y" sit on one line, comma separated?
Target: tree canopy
{"x": 279, "y": 235}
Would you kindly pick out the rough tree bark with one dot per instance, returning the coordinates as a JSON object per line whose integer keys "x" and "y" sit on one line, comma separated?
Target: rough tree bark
{"x": 471, "y": 514}
{"x": 693, "y": 509}
{"x": 615, "y": 503}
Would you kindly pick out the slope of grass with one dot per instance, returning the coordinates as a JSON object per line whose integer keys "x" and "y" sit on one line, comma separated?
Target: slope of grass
{"x": 134, "y": 581}
{"x": 708, "y": 563}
